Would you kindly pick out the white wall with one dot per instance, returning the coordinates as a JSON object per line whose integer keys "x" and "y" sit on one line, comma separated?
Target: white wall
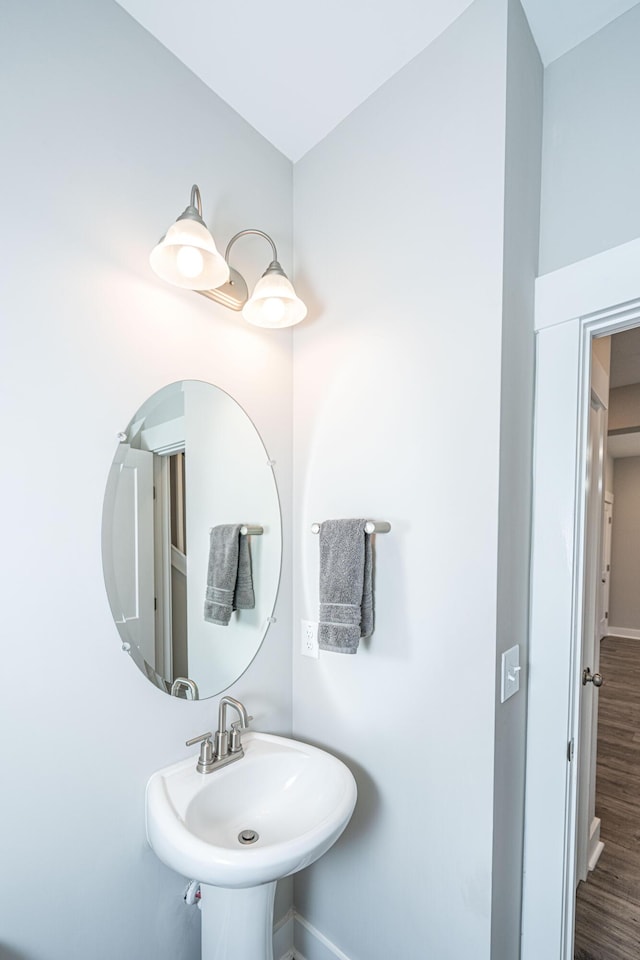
{"x": 104, "y": 132}
{"x": 609, "y": 474}
{"x": 624, "y": 597}
{"x": 591, "y": 146}
{"x": 399, "y": 222}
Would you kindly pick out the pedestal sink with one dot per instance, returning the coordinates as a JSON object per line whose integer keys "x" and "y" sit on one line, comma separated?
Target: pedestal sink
{"x": 241, "y": 828}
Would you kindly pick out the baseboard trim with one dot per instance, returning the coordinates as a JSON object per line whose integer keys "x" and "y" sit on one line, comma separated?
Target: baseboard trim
{"x": 596, "y": 846}
{"x": 283, "y": 937}
{"x": 626, "y": 633}
{"x": 310, "y": 944}
{"x": 595, "y": 856}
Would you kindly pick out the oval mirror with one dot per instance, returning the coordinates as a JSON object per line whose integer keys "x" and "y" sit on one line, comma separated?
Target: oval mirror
{"x": 191, "y": 539}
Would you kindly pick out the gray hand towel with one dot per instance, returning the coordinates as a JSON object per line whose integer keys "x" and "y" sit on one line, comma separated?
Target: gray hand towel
{"x": 244, "y": 597}
{"x": 346, "y": 585}
{"x": 229, "y": 580}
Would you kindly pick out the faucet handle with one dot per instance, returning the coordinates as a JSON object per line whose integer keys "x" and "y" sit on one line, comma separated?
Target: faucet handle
{"x": 201, "y": 739}
{"x": 237, "y": 725}
{"x": 206, "y": 758}
{"x": 235, "y": 743}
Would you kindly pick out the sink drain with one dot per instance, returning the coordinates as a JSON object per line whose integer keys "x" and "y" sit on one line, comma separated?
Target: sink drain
{"x": 248, "y": 836}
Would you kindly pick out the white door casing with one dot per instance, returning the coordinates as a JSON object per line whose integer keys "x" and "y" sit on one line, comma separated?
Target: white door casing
{"x": 600, "y": 295}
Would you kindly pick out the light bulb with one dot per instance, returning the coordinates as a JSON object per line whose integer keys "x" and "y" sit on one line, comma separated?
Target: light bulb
{"x": 187, "y": 257}
{"x": 189, "y": 262}
{"x": 273, "y": 310}
{"x": 274, "y": 302}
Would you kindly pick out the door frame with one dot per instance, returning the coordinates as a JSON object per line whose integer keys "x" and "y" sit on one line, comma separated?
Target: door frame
{"x": 596, "y": 296}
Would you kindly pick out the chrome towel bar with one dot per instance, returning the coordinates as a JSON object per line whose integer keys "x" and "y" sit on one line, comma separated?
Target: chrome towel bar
{"x": 371, "y": 526}
{"x": 247, "y": 531}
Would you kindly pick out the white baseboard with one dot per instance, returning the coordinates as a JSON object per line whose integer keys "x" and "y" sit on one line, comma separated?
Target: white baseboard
{"x": 595, "y": 856}
{"x": 627, "y": 633}
{"x": 310, "y": 944}
{"x": 283, "y": 937}
{"x": 596, "y": 846}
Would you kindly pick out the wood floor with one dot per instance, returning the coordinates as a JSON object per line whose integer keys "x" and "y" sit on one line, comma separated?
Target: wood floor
{"x": 608, "y": 904}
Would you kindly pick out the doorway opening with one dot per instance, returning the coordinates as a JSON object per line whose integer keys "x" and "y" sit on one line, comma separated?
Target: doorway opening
{"x": 594, "y": 298}
{"x": 607, "y": 906}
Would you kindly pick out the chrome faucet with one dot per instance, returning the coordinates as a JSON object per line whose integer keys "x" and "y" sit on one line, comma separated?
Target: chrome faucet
{"x": 223, "y": 747}
{"x": 189, "y": 685}
{"x": 227, "y": 748}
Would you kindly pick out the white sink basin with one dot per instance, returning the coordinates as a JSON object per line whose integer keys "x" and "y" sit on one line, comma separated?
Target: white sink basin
{"x": 298, "y": 799}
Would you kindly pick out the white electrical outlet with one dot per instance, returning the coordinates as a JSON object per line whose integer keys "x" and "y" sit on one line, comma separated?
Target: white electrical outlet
{"x": 309, "y": 639}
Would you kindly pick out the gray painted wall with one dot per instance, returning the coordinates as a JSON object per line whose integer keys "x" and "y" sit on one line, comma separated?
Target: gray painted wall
{"x": 521, "y": 237}
{"x": 104, "y": 132}
{"x": 624, "y": 599}
{"x": 591, "y": 146}
{"x": 399, "y": 225}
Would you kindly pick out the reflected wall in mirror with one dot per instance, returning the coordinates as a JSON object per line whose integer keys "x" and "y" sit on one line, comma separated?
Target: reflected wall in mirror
{"x": 190, "y": 460}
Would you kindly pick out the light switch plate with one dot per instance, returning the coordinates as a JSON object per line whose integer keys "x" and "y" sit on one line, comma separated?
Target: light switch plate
{"x": 510, "y": 672}
{"x": 309, "y": 639}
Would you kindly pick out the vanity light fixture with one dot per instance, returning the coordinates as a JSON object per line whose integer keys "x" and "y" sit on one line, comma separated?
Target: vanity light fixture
{"x": 187, "y": 257}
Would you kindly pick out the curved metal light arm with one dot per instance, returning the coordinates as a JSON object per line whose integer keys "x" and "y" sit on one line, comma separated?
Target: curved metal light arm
{"x": 245, "y": 233}
{"x": 196, "y": 199}
{"x": 235, "y": 293}
{"x": 194, "y": 210}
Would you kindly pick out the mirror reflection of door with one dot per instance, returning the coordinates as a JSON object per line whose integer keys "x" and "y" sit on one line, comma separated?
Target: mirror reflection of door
{"x": 608, "y": 894}
{"x": 132, "y": 538}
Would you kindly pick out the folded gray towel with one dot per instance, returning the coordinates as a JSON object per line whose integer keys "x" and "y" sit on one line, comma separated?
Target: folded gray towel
{"x": 229, "y": 579}
{"x": 244, "y": 597}
{"x": 346, "y": 585}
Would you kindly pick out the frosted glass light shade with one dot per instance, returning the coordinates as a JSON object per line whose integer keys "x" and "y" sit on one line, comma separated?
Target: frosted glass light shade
{"x": 274, "y": 303}
{"x": 187, "y": 257}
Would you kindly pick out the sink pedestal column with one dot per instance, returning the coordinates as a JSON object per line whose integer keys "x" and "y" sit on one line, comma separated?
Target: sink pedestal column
{"x": 237, "y": 924}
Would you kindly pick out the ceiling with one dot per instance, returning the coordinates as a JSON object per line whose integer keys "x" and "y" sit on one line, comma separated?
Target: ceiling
{"x": 623, "y": 445}
{"x": 295, "y": 69}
